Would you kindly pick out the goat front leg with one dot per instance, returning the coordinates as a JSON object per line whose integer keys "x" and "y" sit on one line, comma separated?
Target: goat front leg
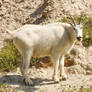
{"x": 24, "y": 67}
{"x": 62, "y": 71}
{"x": 55, "y": 65}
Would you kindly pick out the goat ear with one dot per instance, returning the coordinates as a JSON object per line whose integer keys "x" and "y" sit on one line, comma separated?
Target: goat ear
{"x": 84, "y": 23}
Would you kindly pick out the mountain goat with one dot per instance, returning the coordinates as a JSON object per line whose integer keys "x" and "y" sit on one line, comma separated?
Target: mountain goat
{"x": 53, "y": 39}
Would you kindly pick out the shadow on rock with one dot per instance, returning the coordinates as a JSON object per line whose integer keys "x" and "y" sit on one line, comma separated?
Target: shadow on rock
{"x": 12, "y": 79}
{"x": 18, "y": 80}
{"x": 39, "y": 81}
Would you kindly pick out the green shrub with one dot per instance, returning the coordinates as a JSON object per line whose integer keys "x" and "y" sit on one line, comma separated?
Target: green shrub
{"x": 9, "y": 57}
{"x": 87, "y": 33}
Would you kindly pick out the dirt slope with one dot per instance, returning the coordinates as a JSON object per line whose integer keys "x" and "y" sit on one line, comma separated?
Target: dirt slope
{"x": 15, "y": 13}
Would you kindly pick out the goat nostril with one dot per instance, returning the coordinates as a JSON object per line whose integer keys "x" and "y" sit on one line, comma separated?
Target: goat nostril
{"x": 79, "y": 38}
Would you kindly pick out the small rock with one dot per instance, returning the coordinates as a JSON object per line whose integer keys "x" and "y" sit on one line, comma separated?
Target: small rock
{"x": 89, "y": 67}
{"x": 88, "y": 72}
{"x": 19, "y": 1}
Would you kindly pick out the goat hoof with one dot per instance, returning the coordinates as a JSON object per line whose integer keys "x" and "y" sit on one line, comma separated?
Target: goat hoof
{"x": 28, "y": 81}
{"x": 56, "y": 79}
{"x": 64, "y": 78}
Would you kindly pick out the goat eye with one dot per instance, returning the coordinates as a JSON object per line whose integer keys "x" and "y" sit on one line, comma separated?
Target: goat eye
{"x": 74, "y": 28}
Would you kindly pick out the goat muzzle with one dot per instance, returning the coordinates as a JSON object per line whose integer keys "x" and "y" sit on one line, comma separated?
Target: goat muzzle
{"x": 79, "y": 38}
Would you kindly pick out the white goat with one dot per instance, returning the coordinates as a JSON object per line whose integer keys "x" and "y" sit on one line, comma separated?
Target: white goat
{"x": 54, "y": 39}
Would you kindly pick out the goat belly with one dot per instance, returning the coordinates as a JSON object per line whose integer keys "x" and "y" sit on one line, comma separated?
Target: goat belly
{"x": 41, "y": 50}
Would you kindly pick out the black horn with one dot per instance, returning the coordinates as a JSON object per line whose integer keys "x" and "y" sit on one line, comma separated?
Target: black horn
{"x": 80, "y": 18}
{"x": 72, "y": 20}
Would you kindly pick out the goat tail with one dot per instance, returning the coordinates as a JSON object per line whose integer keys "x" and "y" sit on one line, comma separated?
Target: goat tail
{"x": 10, "y": 32}
{"x": 10, "y": 36}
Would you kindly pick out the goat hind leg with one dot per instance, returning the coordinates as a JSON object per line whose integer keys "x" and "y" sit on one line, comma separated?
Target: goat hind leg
{"x": 24, "y": 67}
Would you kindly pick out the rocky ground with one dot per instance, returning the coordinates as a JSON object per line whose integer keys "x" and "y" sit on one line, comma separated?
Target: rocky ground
{"x": 78, "y": 64}
{"x": 78, "y": 69}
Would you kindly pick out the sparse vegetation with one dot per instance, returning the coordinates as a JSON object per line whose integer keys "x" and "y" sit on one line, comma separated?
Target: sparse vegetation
{"x": 7, "y": 88}
{"x": 9, "y": 57}
{"x": 72, "y": 90}
{"x": 81, "y": 90}
{"x": 41, "y": 90}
